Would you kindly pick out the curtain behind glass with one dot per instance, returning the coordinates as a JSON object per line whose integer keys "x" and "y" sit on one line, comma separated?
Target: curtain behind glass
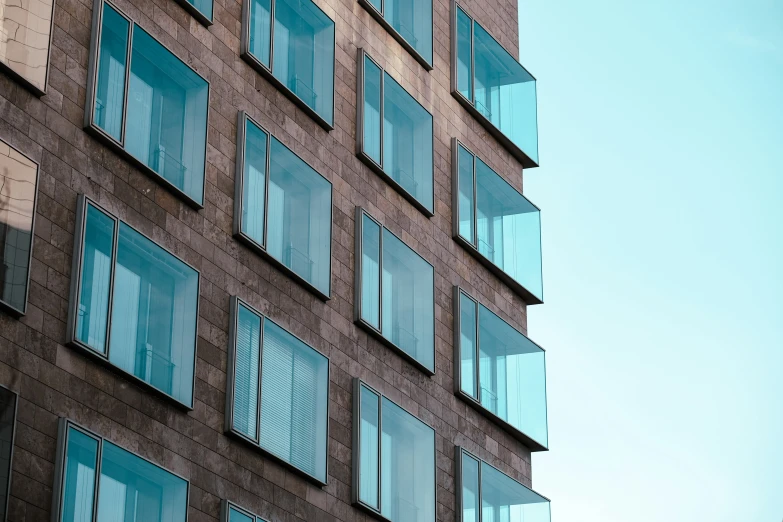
{"x": 81, "y": 456}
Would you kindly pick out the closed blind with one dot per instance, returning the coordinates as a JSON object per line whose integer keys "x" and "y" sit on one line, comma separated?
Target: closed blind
{"x": 246, "y": 372}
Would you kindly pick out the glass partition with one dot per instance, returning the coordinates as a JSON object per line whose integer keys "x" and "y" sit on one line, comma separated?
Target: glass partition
{"x": 8, "y": 402}
{"x": 25, "y": 34}
{"x": 409, "y": 22}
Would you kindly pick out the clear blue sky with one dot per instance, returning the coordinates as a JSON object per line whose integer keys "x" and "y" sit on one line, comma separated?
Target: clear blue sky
{"x": 661, "y": 189}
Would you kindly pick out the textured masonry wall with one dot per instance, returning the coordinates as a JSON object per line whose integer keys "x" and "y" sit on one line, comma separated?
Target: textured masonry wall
{"x": 53, "y": 380}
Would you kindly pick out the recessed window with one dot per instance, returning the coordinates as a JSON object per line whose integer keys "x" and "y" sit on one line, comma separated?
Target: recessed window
{"x": 98, "y": 481}
{"x": 497, "y": 224}
{"x": 409, "y": 21}
{"x": 133, "y": 304}
{"x": 394, "y": 134}
{"x": 494, "y": 87}
{"x": 285, "y": 207}
{"x": 501, "y": 371}
{"x": 25, "y": 35}
{"x": 296, "y": 52}
{"x": 278, "y": 390}
{"x": 395, "y": 293}
{"x": 156, "y": 113}
{"x": 18, "y": 194}
{"x": 394, "y": 459}
{"x": 230, "y": 512}
{"x": 486, "y": 494}
{"x": 8, "y": 402}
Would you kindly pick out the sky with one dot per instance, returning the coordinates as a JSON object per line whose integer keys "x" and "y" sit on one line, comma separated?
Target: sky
{"x": 661, "y": 189}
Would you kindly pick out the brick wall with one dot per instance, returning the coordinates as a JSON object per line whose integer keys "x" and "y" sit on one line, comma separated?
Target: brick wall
{"x": 54, "y": 381}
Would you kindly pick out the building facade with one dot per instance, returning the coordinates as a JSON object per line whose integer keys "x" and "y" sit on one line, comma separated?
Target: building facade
{"x": 267, "y": 260}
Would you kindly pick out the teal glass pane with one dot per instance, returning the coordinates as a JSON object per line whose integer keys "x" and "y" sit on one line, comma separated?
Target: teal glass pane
{"x": 78, "y": 495}
{"x": 508, "y": 229}
{"x": 512, "y": 376}
{"x": 407, "y": 142}
{"x": 154, "y": 308}
{"x": 369, "y": 456}
{"x": 134, "y": 490}
{"x": 204, "y": 7}
{"x": 505, "y": 500}
{"x": 372, "y": 110}
{"x": 464, "y": 58}
{"x": 110, "y": 75}
{"x": 470, "y": 489}
{"x": 505, "y": 93}
{"x": 370, "y": 270}
{"x": 412, "y": 19}
{"x": 408, "y": 301}
{"x": 7, "y": 412}
{"x": 467, "y": 345}
{"x": 92, "y": 310}
{"x": 167, "y": 115}
{"x": 304, "y": 53}
{"x": 294, "y": 396}
{"x": 260, "y": 37}
{"x": 466, "y": 196}
{"x": 254, "y": 182}
{"x": 407, "y": 466}
{"x": 238, "y": 516}
{"x": 299, "y": 217}
{"x": 246, "y": 372}
{"x": 377, "y": 4}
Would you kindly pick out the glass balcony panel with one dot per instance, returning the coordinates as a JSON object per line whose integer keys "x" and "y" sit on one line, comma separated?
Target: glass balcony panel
{"x": 25, "y": 29}
{"x": 110, "y": 83}
{"x": 18, "y": 177}
{"x": 246, "y": 372}
{"x": 412, "y": 19}
{"x": 466, "y": 195}
{"x": 508, "y": 229}
{"x": 153, "y": 328}
{"x": 470, "y": 489}
{"x": 408, "y": 301}
{"x": 370, "y": 269}
{"x": 167, "y": 115}
{"x": 299, "y": 214}
{"x": 81, "y": 460}
{"x": 512, "y": 376}
{"x": 369, "y": 451}
{"x": 7, "y": 418}
{"x": 407, "y": 142}
{"x": 134, "y": 490}
{"x": 407, "y": 466}
{"x": 504, "y": 499}
{"x": 468, "y": 337}
{"x": 505, "y": 93}
{"x": 464, "y": 52}
{"x": 260, "y": 40}
{"x": 254, "y": 182}
{"x": 238, "y": 516}
{"x": 93, "y": 307}
{"x": 294, "y": 396}
{"x": 372, "y": 110}
{"x": 304, "y": 53}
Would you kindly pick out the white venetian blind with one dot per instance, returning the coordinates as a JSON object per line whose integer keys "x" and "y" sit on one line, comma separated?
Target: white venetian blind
{"x": 246, "y": 372}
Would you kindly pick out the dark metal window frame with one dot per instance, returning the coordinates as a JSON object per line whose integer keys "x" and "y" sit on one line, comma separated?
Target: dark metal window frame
{"x": 260, "y": 248}
{"x": 3, "y": 304}
{"x": 246, "y": 54}
{"x": 458, "y": 454}
{"x": 11, "y": 454}
{"x": 63, "y": 430}
{"x": 227, "y": 505}
{"x": 229, "y": 429}
{"x": 358, "y": 384}
{"x": 24, "y": 82}
{"x": 471, "y": 247}
{"x": 71, "y": 339}
{"x": 358, "y": 319}
{"x": 370, "y": 162}
{"x": 475, "y": 402}
{"x": 92, "y": 85}
{"x": 526, "y": 161}
{"x": 380, "y": 17}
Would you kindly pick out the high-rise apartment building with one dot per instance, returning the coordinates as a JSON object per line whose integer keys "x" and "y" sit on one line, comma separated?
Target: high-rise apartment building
{"x": 267, "y": 260}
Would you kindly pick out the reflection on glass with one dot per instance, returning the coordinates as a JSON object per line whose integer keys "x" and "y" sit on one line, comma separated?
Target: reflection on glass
{"x": 254, "y": 183}
{"x": 246, "y": 375}
{"x": 78, "y": 495}
{"x": 18, "y": 177}
{"x": 470, "y": 489}
{"x": 468, "y": 338}
{"x": 25, "y": 27}
{"x": 238, "y": 516}
{"x": 372, "y": 110}
{"x": 110, "y": 87}
{"x": 371, "y": 277}
{"x": 505, "y": 500}
{"x": 369, "y": 453}
{"x": 464, "y": 58}
{"x": 466, "y": 196}
{"x": 204, "y": 7}
{"x": 412, "y": 19}
{"x": 7, "y": 411}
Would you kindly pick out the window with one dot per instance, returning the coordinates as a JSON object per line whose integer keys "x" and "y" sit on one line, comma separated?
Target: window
{"x": 126, "y": 488}
{"x": 278, "y": 392}
{"x": 393, "y": 459}
{"x": 8, "y": 401}
{"x": 18, "y": 195}
{"x": 201, "y": 10}
{"x": 500, "y": 370}
{"x": 497, "y": 224}
{"x": 394, "y": 135}
{"x": 133, "y": 304}
{"x": 484, "y": 494}
{"x": 25, "y": 41}
{"x": 295, "y": 53}
{"x": 409, "y": 22}
{"x": 285, "y": 215}
{"x": 156, "y": 113}
{"x": 230, "y": 512}
{"x": 395, "y": 293}
{"x": 494, "y": 87}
